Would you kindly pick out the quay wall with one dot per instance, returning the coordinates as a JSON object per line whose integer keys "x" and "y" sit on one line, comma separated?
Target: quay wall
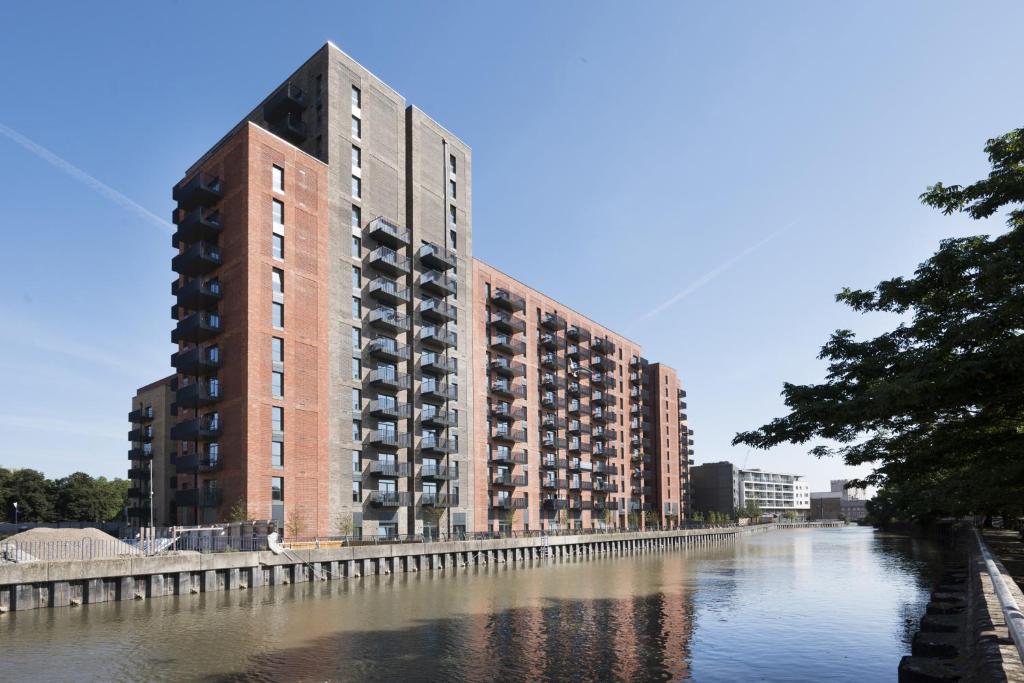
{"x": 35, "y": 585}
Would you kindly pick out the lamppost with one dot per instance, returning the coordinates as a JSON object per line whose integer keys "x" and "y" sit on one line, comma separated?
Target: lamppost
{"x": 15, "y": 515}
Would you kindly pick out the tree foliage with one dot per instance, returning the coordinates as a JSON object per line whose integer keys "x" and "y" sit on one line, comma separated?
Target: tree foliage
{"x": 936, "y": 404}
{"x": 77, "y": 497}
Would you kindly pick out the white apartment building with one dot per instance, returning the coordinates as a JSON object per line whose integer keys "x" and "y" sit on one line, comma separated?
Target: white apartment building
{"x": 775, "y": 493}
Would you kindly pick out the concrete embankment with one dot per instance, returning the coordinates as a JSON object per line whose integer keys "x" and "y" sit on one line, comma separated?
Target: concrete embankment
{"x": 34, "y": 585}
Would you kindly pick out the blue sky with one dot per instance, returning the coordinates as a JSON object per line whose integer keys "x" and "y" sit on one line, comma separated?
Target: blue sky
{"x": 700, "y": 176}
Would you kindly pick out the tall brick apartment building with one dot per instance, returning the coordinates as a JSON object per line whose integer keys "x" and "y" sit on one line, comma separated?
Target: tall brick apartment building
{"x": 341, "y": 365}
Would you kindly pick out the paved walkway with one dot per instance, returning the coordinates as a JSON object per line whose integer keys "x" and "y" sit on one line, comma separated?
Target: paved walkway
{"x": 1010, "y": 549}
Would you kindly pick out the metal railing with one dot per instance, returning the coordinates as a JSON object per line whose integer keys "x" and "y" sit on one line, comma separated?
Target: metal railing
{"x": 1011, "y": 611}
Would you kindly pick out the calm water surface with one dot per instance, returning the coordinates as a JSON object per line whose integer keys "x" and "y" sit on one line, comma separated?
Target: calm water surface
{"x": 800, "y": 605}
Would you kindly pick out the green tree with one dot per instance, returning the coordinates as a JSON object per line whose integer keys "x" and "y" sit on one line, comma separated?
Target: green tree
{"x": 33, "y": 493}
{"x": 935, "y": 404}
{"x": 751, "y": 510}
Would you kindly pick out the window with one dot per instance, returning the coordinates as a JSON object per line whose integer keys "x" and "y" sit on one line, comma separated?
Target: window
{"x": 357, "y": 187}
{"x": 357, "y": 98}
{"x": 357, "y": 368}
{"x": 278, "y": 246}
{"x": 357, "y": 339}
{"x": 357, "y": 277}
{"x": 357, "y": 492}
{"x": 357, "y": 218}
{"x": 277, "y": 418}
{"x": 277, "y": 489}
{"x": 357, "y": 247}
{"x": 277, "y": 280}
{"x": 453, "y": 240}
{"x": 357, "y": 307}
{"x": 276, "y": 454}
{"x": 278, "y": 212}
{"x": 357, "y": 462}
{"x": 277, "y": 349}
{"x": 451, "y": 189}
{"x": 451, "y": 163}
{"x": 357, "y": 157}
{"x": 357, "y": 128}
{"x": 277, "y": 384}
{"x": 357, "y": 400}
{"x": 277, "y": 315}
{"x": 277, "y": 174}
{"x": 452, "y": 217}
{"x": 357, "y": 430}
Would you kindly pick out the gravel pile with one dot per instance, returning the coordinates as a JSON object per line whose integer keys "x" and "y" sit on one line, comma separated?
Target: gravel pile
{"x": 63, "y": 544}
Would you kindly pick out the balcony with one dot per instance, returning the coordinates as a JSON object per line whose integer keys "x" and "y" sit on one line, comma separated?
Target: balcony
{"x": 381, "y": 468}
{"x": 604, "y": 487}
{"x": 383, "y": 348}
{"x": 196, "y": 327}
{"x": 438, "y": 337}
{"x": 509, "y": 435}
{"x": 387, "y": 438}
{"x": 635, "y": 378}
{"x": 389, "y": 499}
{"x": 437, "y": 258}
{"x": 509, "y": 503}
{"x": 141, "y": 434}
{"x": 552, "y": 483}
{"x": 577, "y": 334}
{"x": 507, "y": 368}
{"x": 508, "y": 344}
{"x": 505, "y": 388}
{"x": 549, "y": 341}
{"x": 509, "y": 323}
{"x": 555, "y": 504}
{"x": 603, "y": 415}
{"x": 550, "y": 361}
{"x": 388, "y": 378}
{"x": 439, "y": 500}
{"x": 602, "y": 398}
{"x": 197, "y": 225}
{"x": 289, "y": 99}
{"x": 549, "y": 380}
{"x": 682, "y": 417}
{"x": 291, "y": 127}
{"x": 194, "y": 463}
{"x": 438, "y": 311}
{"x": 432, "y": 416}
{"x": 552, "y": 321}
{"x": 502, "y": 298}
{"x": 552, "y": 422}
{"x": 575, "y": 465}
{"x": 196, "y": 361}
{"x": 502, "y": 456}
{"x": 203, "y": 498}
{"x": 387, "y": 233}
{"x": 552, "y": 402}
{"x": 389, "y": 409}
{"x": 390, "y": 320}
{"x": 202, "y": 189}
{"x": 196, "y": 429}
{"x": 576, "y": 353}
{"x": 144, "y": 414}
{"x": 434, "y": 391}
{"x": 577, "y": 446}
{"x": 197, "y": 293}
{"x": 438, "y": 283}
{"x": 144, "y": 452}
{"x": 138, "y": 473}
{"x": 605, "y": 452}
{"x": 199, "y": 393}
{"x": 389, "y": 261}
{"x": 574, "y": 388}
{"x": 576, "y": 427}
{"x": 604, "y": 468}
{"x": 387, "y": 290}
{"x": 602, "y": 345}
{"x": 551, "y": 462}
{"x": 436, "y": 444}
{"x": 602, "y": 364}
{"x": 437, "y": 364}
{"x": 507, "y": 412}
{"x": 577, "y": 407}
{"x": 508, "y": 479}
{"x": 199, "y": 259}
{"x": 439, "y": 472}
{"x": 605, "y": 434}
{"x": 552, "y": 442}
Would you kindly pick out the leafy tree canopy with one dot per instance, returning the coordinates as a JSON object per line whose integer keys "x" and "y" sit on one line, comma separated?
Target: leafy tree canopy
{"x": 936, "y": 405}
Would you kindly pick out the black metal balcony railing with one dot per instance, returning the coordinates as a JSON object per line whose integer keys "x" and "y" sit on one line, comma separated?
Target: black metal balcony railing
{"x": 388, "y": 290}
{"x": 387, "y": 233}
{"x": 197, "y": 360}
{"x": 144, "y": 452}
{"x": 602, "y": 397}
{"x": 388, "y": 349}
{"x": 202, "y": 189}
{"x": 138, "y": 473}
{"x": 602, "y": 345}
{"x": 198, "y": 394}
{"x": 507, "y": 412}
{"x": 438, "y": 391}
{"x": 389, "y": 438}
{"x": 433, "y": 416}
{"x": 509, "y": 503}
{"x": 198, "y": 259}
{"x": 438, "y": 283}
{"x": 605, "y": 434}
{"x": 507, "y": 322}
{"x": 440, "y": 500}
{"x": 550, "y": 421}
{"x": 437, "y": 364}
{"x": 196, "y": 327}
{"x": 389, "y": 378}
{"x": 552, "y": 442}
{"x": 577, "y": 334}
{"x": 549, "y": 341}
{"x": 381, "y": 468}
{"x": 552, "y": 483}
{"x": 552, "y": 321}
{"x": 389, "y": 409}
{"x": 604, "y": 468}
{"x": 508, "y": 479}
{"x": 196, "y": 225}
{"x": 551, "y": 462}
{"x": 437, "y": 258}
{"x": 143, "y": 414}
{"x": 196, "y": 429}
{"x": 389, "y": 319}
{"x": 289, "y": 98}
{"x": 436, "y": 444}
{"x": 552, "y": 402}
{"x": 291, "y": 127}
{"x": 506, "y": 388}
{"x": 439, "y": 472}
{"x": 437, "y": 310}
{"x": 204, "y": 498}
{"x": 508, "y": 368}
{"x": 390, "y": 498}
{"x": 505, "y": 299}
{"x": 555, "y": 504}
{"x": 577, "y": 427}
{"x": 501, "y": 456}
{"x": 141, "y": 433}
{"x": 549, "y": 380}
{"x": 198, "y": 293}
{"x": 510, "y": 435}
{"x": 388, "y": 260}
{"x": 192, "y": 463}
{"x": 508, "y": 344}
{"x": 605, "y": 452}
{"x": 438, "y": 337}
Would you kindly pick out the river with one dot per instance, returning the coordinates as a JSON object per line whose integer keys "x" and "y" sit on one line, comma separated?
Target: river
{"x": 795, "y": 605}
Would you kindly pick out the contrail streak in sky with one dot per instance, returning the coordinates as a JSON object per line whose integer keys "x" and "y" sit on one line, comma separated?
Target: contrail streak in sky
{"x": 710, "y": 275}
{"x": 83, "y": 177}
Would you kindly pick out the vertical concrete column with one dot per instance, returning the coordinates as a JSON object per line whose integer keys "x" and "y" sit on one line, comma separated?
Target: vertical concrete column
{"x": 95, "y": 591}
{"x": 126, "y": 588}
{"x": 276, "y": 577}
{"x": 155, "y": 585}
{"x": 233, "y": 579}
{"x": 24, "y": 595}
{"x": 208, "y": 581}
{"x": 60, "y": 595}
